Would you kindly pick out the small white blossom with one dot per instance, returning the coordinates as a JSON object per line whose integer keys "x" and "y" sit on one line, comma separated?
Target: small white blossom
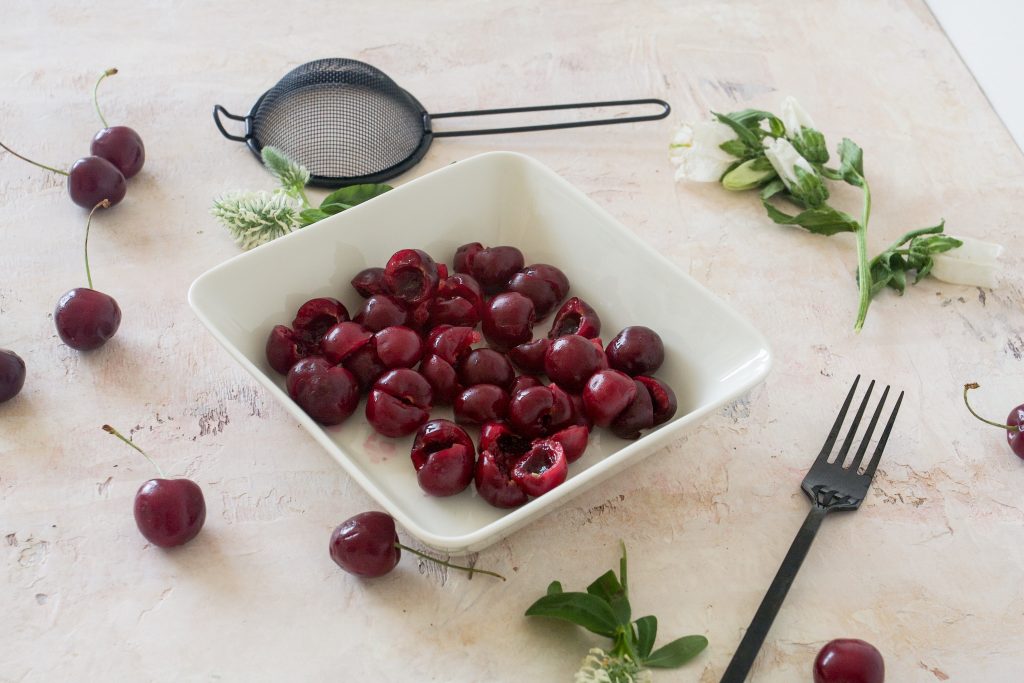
{"x": 794, "y": 116}
{"x": 785, "y": 160}
{"x": 975, "y": 263}
{"x": 695, "y": 150}
{"x": 599, "y": 667}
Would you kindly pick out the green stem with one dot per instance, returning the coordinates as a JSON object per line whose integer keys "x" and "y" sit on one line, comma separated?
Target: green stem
{"x": 471, "y": 570}
{"x": 894, "y": 247}
{"x": 863, "y": 269}
{"x": 95, "y": 100}
{"x": 975, "y": 385}
{"x": 110, "y": 430}
{"x": 102, "y": 205}
{"x": 34, "y": 163}
{"x": 304, "y": 198}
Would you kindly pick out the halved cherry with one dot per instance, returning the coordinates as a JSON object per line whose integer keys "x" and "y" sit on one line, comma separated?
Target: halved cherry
{"x": 663, "y": 398}
{"x": 344, "y": 339}
{"x": 411, "y": 276}
{"x": 494, "y": 482}
{"x": 369, "y": 282}
{"x": 576, "y": 316}
{"x": 380, "y": 311}
{"x": 637, "y": 416}
{"x": 443, "y": 379}
{"x": 608, "y": 393}
{"x": 284, "y": 349}
{"x": 444, "y": 458}
{"x": 480, "y": 403}
{"x": 529, "y": 356}
{"x": 315, "y": 317}
{"x": 399, "y": 403}
{"x": 542, "y": 468}
{"x": 573, "y": 441}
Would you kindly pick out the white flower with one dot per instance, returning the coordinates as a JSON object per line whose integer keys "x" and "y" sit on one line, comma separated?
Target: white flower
{"x": 794, "y": 116}
{"x": 785, "y": 160}
{"x": 974, "y": 263}
{"x": 599, "y": 667}
{"x": 695, "y": 149}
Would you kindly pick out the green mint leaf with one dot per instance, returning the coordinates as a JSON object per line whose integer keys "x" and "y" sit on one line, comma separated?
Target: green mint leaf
{"x": 582, "y": 609}
{"x": 676, "y": 653}
{"x": 647, "y": 632}
{"x": 608, "y": 588}
{"x": 851, "y": 162}
{"x": 310, "y": 216}
{"x": 811, "y": 145}
{"x": 292, "y": 175}
{"x": 336, "y": 207}
{"x": 355, "y": 194}
{"x": 823, "y": 220}
{"x": 554, "y": 588}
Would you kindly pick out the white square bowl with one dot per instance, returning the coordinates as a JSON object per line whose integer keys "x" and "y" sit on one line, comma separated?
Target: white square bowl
{"x": 712, "y": 354}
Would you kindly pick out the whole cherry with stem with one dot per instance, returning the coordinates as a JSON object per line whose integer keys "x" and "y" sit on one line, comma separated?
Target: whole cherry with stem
{"x": 168, "y": 512}
{"x": 1014, "y": 423}
{"x": 367, "y": 545}
{"x": 120, "y": 145}
{"x": 85, "y": 318}
{"x": 90, "y": 179}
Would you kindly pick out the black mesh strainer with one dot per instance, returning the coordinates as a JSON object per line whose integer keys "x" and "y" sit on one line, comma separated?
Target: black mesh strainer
{"x": 348, "y": 122}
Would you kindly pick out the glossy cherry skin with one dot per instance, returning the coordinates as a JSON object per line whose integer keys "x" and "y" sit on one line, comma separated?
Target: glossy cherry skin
{"x": 494, "y": 482}
{"x": 366, "y": 545}
{"x": 464, "y": 255}
{"x": 503, "y": 443}
{"x": 443, "y": 379}
{"x": 494, "y": 266}
{"x": 663, "y": 399}
{"x": 607, "y": 394}
{"x": 302, "y": 370}
{"x": 452, "y": 343}
{"x": 365, "y": 365}
{"x": 93, "y": 179}
{"x": 169, "y": 512}
{"x": 849, "y": 660}
{"x": 636, "y": 350}
{"x": 12, "y": 374}
{"x": 541, "y": 469}
{"x": 411, "y": 276}
{"x": 380, "y": 311}
{"x": 399, "y": 403}
{"x": 284, "y": 349}
{"x": 480, "y": 403}
{"x": 398, "y": 347}
{"x": 486, "y": 366}
{"x": 444, "y": 458}
{"x": 638, "y": 415}
{"x": 529, "y": 356}
{"x": 1015, "y": 436}
{"x": 459, "y": 301}
{"x": 544, "y": 285}
{"x": 524, "y": 382}
{"x": 315, "y": 317}
{"x": 122, "y": 147}
{"x": 369, "y": 282}
{"x": 328, "y": 396}
{"x": 86, "y": 319}
{"x": 573, "y": 441}
{"x": 576, "y": 316}
{"x": 571, "y": 360}
{"x": 537, "y": 411}
{"x": 508, "y": 321}
{"x": 344, "y": 339}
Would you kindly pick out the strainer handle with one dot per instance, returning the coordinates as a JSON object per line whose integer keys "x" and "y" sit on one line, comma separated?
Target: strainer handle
{"x": 665, "y": 109}
{"x": 217, "y": 111}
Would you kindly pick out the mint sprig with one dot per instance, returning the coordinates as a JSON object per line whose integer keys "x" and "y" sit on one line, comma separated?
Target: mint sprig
{"x": 604, "y": 609}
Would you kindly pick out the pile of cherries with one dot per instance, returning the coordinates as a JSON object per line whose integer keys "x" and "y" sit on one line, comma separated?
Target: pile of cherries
{"x": 411, "y": 346}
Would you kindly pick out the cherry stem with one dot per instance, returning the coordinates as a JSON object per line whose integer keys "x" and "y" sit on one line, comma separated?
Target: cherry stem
{"x": 975, "y": 385}
{"x": 34, "y": 163}
{"x": 95, "y": 100}
{"x": 471, "y": 570}
{"x": 110, "y": 430}
{"x": 102, "y": 205}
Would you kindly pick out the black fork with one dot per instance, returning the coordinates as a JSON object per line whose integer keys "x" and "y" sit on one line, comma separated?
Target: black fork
{"x": 831, "y": 487}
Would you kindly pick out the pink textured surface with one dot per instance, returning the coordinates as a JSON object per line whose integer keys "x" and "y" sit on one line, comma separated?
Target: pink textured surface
{"x": 928, "y": 570}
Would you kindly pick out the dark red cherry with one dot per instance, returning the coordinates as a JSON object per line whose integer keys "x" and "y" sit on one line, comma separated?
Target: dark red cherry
{"x": 452, "y": 344}
{"x": 486, "y": 366}
{"x": 508, "y": 321}
{"x": 459, "y": 301}
{"x": 537, "y": 411}
{"x": 524, "y": 382}
{"x": 283, "y": 349}
{"x": 370, "y": 282}
{"x": 12, "y": 374}
{"x": 328, "y": 396}
{"x": 86, "y": 319}
{"x": 380, "y": 311}
{"x": 399, "y": 403}
{"x": 571, "y": 360}
{"x": 344, "y": 339}
{"x": 529, "y": 356}
{"x": 638, "y": 415}
{"x": 93, "y": 179}
{"x": 169, "y": 512}
{"x": 493, "y": 479}
{"x": 302, "y": 370}
{"x": 464, "y": 256}
{"x": 494, "y": 266}
{"x": 365, "y": 365}
{"x": 607, "y": 394}
{"x": 398, "y": 347}
{"x": 443, "y": 380}
{"x": 542, "y": 468}
{"x": 503, "y": 443}
{"x": 122, "y": 147}
{"x": 573, "y": 441}
{"x": 1014, "y": 425}
{"x": 480, "y": 403}
{"x": 444, "y": 458}
{"x": 545, "y": 285}
{"x": 316, "y": 316}
{"x": 636, "y": 350}
{"x": 663, "y": 399}
{"x": 576, "y": 316}
{"x": 849, "y": 660}
{"x": 366, "y": 545}
{"x": 411, "y": 276}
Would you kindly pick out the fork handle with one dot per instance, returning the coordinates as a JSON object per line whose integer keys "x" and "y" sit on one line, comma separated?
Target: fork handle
{"x": 741, "y": 662}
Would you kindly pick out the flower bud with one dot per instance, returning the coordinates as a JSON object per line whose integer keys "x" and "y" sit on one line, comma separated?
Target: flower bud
{"x": 748, "y": 175}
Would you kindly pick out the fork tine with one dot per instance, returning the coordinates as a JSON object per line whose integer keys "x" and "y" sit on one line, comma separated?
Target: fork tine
{"x": 853, "y": 427}
{"x": 869, "y": 472}
{"x": 831, "y": 440}
{"x": 855, "y": 465}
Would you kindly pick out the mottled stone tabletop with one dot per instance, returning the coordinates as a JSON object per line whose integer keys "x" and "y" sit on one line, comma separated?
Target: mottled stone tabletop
{"x": 928, "y": 570}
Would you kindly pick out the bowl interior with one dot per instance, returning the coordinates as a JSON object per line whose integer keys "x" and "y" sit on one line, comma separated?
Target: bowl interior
{"x": 712, "y": 355}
